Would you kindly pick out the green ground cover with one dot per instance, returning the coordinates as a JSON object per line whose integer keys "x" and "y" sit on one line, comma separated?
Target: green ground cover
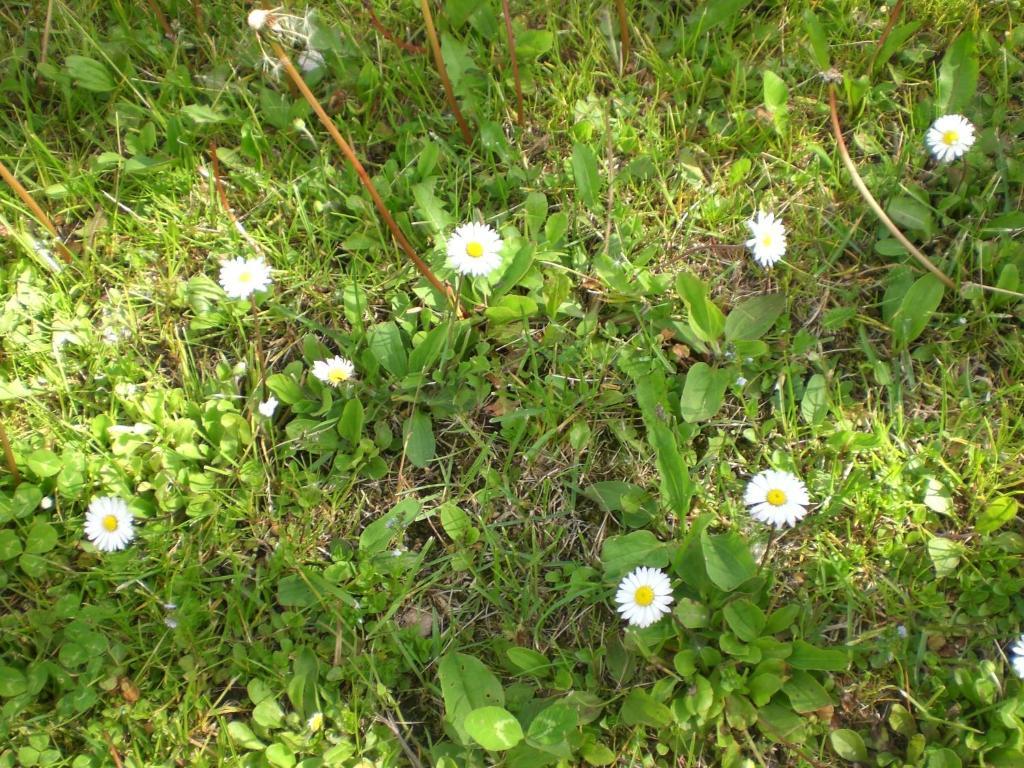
{"x": 419, "y": 567}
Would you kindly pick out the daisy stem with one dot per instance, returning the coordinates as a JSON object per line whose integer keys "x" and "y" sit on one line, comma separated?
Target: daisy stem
{"x": 9, "y": 455}
{"x": 44, "y": 43}
{"x": 893, "y": 16}
{"x": 858, "y": 182}
{"x": 767, "y": 548}
{"x": 435, "y": 46}
{"x": 515, "y": 62}
{"x": 261, "y": 359}
{"x": 405, "y": 46}
{"x": 168, "y": 32}
{"x": 364, "y": 177}
{"x": 38, "y": 212}
{"x": 620, "y": 6}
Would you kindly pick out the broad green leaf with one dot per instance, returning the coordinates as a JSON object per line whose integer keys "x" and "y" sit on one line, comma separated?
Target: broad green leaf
{"x": 706, "y": 318}
{"x": 377, "y": 536}
{"x": 285, "y": 388}
{"x": 944, "y": 757}
{"x": 12, "y": 682}
{"x": 385, "y": 344}
{"x": 781, "y": 723}
{"x": 510, "y": 309}
{"x": 754, "y": 317}
{"x": 727, "y": 559}
{"x": 745, "y": 619}
{"x": 703, "y": 392}
{"x": 944, "y": 554}
{"x": 640, "y": 708}
{"x": 805, "y": 693}
{"x": 916, "y": 309}
{"x": 431, "y": 207}
{"x": 911, "y": 213}
{"x": 818, "y": 39}
{"x": 268, "y": 713}
{"x": 467, "y": 684}
{"x": 241, "y": 735}
{"x": 90, "y": 74}
{"x": 714, "y": 13}
{"x": 515, "y": 272}
{"x": 552, "y": 726}
{"x": 849, "y": 745}
{"x": 10, "y": 545}
{"x": 676, "y": 486}
{"x": 897, "y": 39}
{"x": 418, "y": 431}
{"x": 587, "y": 175}
{"x": 425, "y": 354}
{"x": 536, "y": 207}
{"x": 202, "y": 114}
{"x": 493, "y": 728}
{"x": 811, "y": 657}
{"x": 958, "y": 75}
{"x": 814, "y": 405}
{"x": 997, "y": 513}
{"x": 776, "y": 94}
{"x": 43, "y": 463}
{"x": 620, "y": 554}
{"x": 41, "y": 538}
{"x": 350, "y": 425}
{"x": 527, "y": 660}
{"x": 279, "y": 756}
{"x": 456, "y": 522}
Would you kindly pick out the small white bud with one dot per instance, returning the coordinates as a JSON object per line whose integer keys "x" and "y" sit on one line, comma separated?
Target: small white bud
{"x": 258, "y": 19}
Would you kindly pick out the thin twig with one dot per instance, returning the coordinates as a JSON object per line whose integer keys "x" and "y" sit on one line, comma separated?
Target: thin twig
{"x": 435, "y": 46}
{"x": 624, "y": 33}
{"x": 515, "y": 62}
{"x": 168, "y": 32}
{"x": 218, "y": 184}
{"x": 893, "y": 16}
{"x": 414, "y": 760}
{"x": 44, "y": 44}
{"x": 12, "y": 466}
{"x": 388, "y": 35}
{"x": 197, "y": 11}
{"x": 364, "y": 177}
{"x": 113, "y": 750}
{"x": 38, "y": 212}
{"x": 858, "y": 182}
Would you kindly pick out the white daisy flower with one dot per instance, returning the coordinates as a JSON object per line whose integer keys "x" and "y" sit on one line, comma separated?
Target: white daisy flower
{"x": 644, "y": 596}
{"x": 315, "y": 722}
{"x": 776, "y": 498}
{"x": 335, "y": 371}
{"x": 768, "y": 239}
{"x": 310, "y": 59}
{"x": 241, "y": 277}
{"x": 474, "y": 249}
{"x": 267, "y": 407}
{"x": 950, "y": 137}
{"x": 108, "y": 523}
{"x": 1017, "y": 659}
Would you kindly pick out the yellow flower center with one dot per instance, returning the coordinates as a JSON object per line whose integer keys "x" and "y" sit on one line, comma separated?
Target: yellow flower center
{"x": 110, "y": 523}
{"x": 337, "y": 375}
{"x": 643, "y": 596}
{"x": 766, "y": 241}
{"x": 245, "y": 277}
{"x": 776, "y": 497}
{"x": 949, "y": 138}
{"x": 474, "y": 249}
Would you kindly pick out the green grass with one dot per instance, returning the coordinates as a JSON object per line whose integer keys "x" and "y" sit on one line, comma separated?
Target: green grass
{"x": 501, "y": 461}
